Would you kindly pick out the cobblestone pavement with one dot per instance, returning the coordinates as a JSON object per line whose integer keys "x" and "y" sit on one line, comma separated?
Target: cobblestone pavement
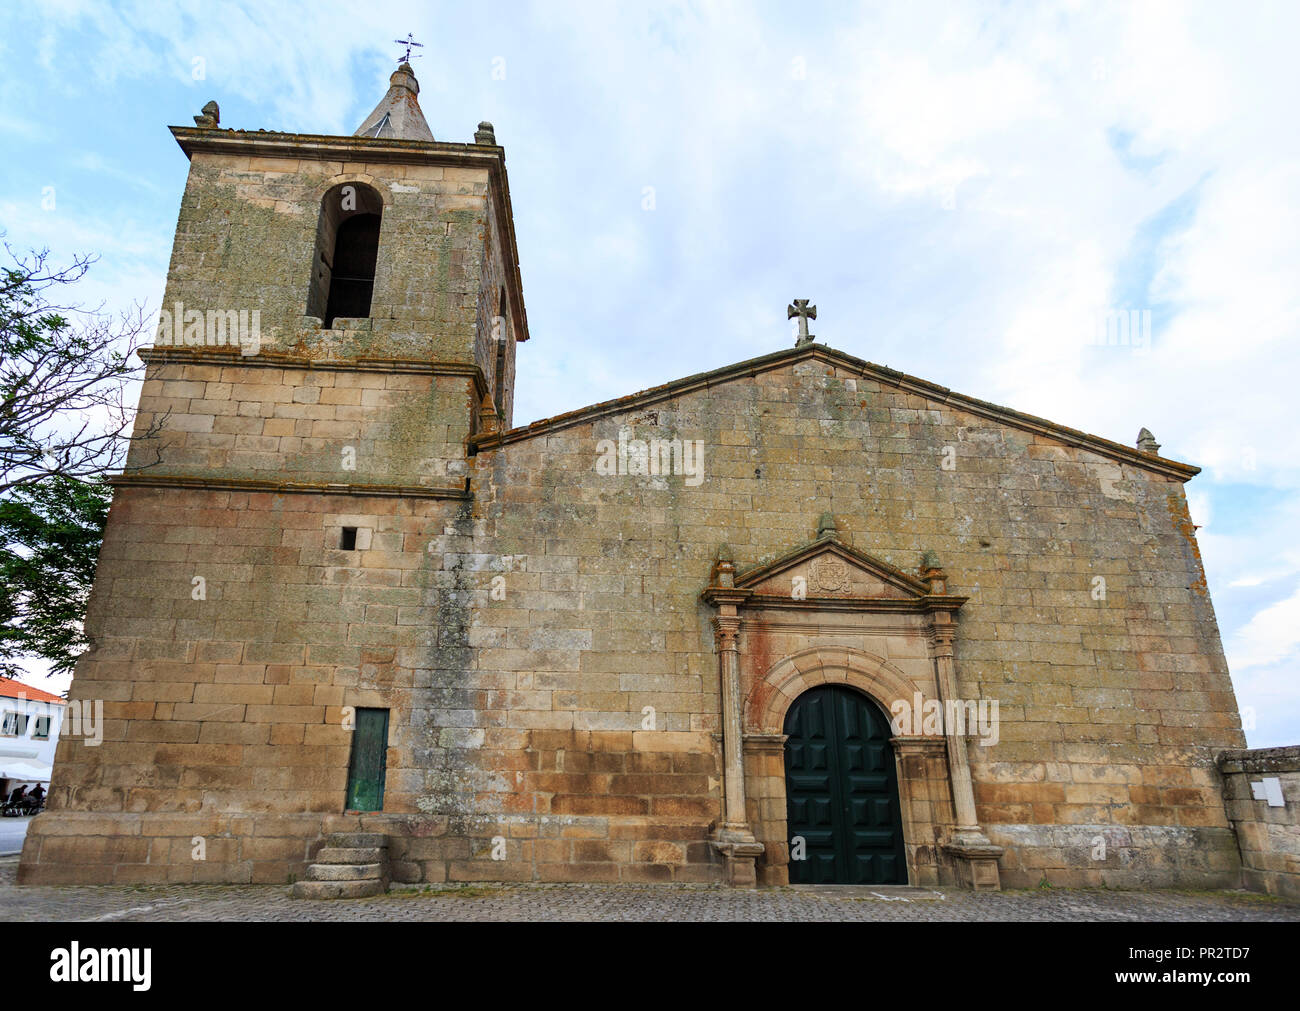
{"x": 543, "y": 902}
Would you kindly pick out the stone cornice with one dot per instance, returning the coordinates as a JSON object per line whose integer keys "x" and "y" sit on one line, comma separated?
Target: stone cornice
{"x": 271, "y": 360}
{"x": 915, "y": 605}
{"x": 274, "y": 144}
{"x": 286, "y": 487}
{"x": 860, "y": 368}
{"x": 725, "y": 595}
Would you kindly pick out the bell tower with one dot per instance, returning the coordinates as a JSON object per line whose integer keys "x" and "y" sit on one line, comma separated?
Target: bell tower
{"x": 386, "y": 252}
{"x": 340, "y": 322}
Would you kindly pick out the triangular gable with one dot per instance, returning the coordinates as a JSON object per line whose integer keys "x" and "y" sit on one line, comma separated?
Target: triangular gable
{"x": 941, "y": 396}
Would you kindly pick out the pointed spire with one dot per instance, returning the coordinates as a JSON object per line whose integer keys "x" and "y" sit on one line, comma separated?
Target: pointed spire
{"x": 398, "y": 114}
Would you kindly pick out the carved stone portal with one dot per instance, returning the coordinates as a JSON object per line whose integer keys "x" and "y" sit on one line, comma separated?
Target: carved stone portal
{"x": 866, "y": 624}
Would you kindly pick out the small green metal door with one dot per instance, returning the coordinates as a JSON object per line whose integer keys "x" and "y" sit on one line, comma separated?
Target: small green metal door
{"x": 369, "y": 758}
{"x": 842, "y": 791}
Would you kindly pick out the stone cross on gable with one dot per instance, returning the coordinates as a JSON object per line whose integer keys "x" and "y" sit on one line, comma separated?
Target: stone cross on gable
{"x": 805, "y": 312}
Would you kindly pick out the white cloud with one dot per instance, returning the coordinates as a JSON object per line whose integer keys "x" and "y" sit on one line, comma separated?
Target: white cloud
{"x": 1271, "y": 635}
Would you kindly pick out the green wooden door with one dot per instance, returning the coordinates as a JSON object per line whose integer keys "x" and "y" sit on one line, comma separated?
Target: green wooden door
{"x": 842, "y": 791}
{"x": 369, "y": 758}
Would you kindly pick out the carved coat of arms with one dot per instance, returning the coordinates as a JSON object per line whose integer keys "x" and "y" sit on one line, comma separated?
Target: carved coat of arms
{"x": 831, "y": 575}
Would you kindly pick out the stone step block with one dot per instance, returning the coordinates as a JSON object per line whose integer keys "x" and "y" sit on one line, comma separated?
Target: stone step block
{"x": 350, "y": 855}
{"x": 356, "y": 840}
{"x": 343, "y": 872}
{"x": 337, "y": 889}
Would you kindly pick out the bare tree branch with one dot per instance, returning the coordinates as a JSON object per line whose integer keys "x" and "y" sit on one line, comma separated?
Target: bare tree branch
{"x": 63, "y": 373}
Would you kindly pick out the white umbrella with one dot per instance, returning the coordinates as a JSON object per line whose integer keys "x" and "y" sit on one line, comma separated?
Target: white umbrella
{"x": 16, "y": 768}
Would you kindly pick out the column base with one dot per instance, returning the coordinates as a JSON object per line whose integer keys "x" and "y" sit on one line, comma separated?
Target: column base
{"x": 739, "y": 851}
{"x": 975, "y": 858}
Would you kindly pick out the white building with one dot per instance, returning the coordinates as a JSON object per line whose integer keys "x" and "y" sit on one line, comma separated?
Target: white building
{"x": 30, "y": 721}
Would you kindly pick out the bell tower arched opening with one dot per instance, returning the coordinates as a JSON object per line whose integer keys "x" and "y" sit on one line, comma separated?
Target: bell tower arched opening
{"x": 346, "y": 253}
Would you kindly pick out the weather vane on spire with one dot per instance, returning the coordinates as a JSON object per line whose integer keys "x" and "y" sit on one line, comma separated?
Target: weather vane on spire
{"x": 409, "y": 42}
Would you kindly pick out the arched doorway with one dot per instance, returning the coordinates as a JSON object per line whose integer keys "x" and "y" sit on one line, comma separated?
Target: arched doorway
{"x": 842, "y": 791}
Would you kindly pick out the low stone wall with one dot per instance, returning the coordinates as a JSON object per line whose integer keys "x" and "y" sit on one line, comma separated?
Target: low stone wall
{"x": 1117, "y": 856}
{"x": 1261, "y": 790}
{"x": 82, "y": 847}
{"x": 73, "y": 847}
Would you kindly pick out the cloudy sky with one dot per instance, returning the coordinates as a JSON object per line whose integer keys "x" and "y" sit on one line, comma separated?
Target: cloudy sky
{"x": 965, "y": 190}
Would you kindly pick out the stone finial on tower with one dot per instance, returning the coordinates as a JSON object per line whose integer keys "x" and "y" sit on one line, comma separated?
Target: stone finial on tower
{"x": 485, "y": 134}
{"x": 1147, "y": 442}
{"x": 805, "y": 312}
{"x": 826, "y": 526}
{"x": 211, "y": 117}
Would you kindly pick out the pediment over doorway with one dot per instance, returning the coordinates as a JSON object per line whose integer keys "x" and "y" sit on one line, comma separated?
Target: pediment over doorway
{"x": 828, "y": 568}
{"x": 827, "y": 573}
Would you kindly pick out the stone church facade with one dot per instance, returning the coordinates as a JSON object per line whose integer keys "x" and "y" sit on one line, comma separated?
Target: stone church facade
{"x": 801, "y": 618}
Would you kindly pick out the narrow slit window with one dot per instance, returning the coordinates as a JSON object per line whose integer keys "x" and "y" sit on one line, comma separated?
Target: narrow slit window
{"x": 502, "y": 334}
{"x": 348, "y": 539}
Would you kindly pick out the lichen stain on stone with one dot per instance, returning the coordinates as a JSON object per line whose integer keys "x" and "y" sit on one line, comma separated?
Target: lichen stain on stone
{"x": 1182, "y": 522}
{"x": 377, "y": 668}
{"x": 404, "y": 432}
{"x": 450, "y": 788}
{"x": 758, "y": 653}
{"x": 840, "y": 403}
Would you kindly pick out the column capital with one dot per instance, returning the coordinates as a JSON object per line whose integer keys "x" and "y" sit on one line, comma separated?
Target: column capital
{"x": 727, "y": 629}
{"x": 941, "y": 638}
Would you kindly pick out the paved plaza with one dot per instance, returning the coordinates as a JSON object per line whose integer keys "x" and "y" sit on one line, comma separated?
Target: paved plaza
{"x": 548, "y": 902}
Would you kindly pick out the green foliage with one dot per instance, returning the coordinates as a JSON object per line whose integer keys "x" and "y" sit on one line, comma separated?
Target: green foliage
{"x": 50, "y": 534}
{"x": 64, "y": 375}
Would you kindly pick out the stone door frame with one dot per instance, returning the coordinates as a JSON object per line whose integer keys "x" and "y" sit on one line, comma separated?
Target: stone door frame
{"x": 942, "y": 837}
